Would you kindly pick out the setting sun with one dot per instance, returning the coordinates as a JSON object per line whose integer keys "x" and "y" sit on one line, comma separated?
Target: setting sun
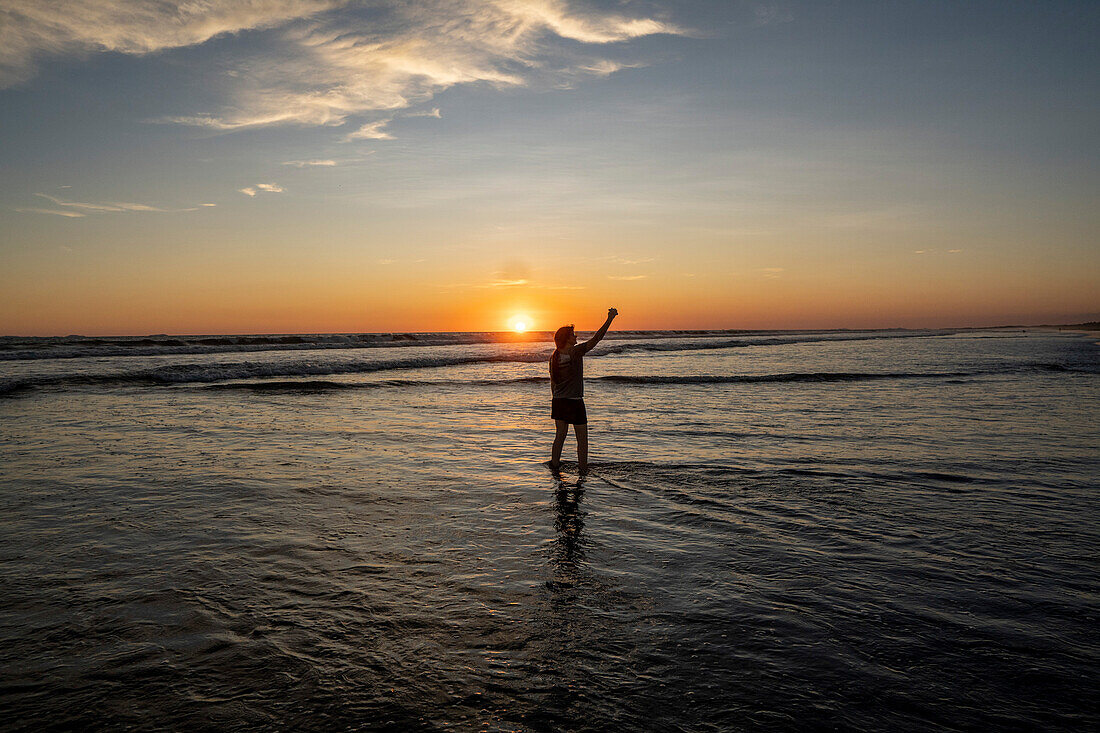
{"x": 519, "y": 324}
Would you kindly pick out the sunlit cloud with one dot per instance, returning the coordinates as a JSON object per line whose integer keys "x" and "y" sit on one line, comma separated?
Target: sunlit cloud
{"x": 370, "y": 131}
{"x": 79, "y": 209}
{"x": 31, "y": 30}
{"x": 55, "y": 212}
{"x": 324, "y": 62}
{"x": 309, "y": 163}
{"x": 606, "y": 67}
{"x": 261, "y": 188}
{"x": 433, "y": 112}
{"x": 103, "y": 207}
{"x": 627, "y": 277}
{"x": 771, "y": 272}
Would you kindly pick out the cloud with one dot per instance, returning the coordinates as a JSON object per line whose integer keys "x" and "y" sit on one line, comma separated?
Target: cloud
{"x": 70, "y": 214}
{"x": 606, "y": 67}
{"x": 370, "y": 131}
{"x": 309, "y": 163}
{"x": 505, "y": 283}
{"x": 107, "y": 206}
{"x": 31, "y": 30}
{"x": 261, "y": 187}
{"x": 771, "y": 272}
{"x": 433, "y": 112}
{"x": 627, "y": 277}
{"x": 771, "y": 14}
{"x": 326, "y": 62}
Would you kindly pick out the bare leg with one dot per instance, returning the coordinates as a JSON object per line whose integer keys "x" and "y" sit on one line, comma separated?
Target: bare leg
{"x": 562, "y": 428}
{"x": 581, "y": 432}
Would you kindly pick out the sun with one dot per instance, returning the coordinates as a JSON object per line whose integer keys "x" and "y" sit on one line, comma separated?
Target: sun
{"x": 520, "y": 324}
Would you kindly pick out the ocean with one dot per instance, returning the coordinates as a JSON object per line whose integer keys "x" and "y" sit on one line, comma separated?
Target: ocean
{"x": 846, "y": 530}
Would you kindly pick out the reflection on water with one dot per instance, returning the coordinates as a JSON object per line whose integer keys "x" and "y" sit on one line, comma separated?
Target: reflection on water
{"x": 569, "y": 523}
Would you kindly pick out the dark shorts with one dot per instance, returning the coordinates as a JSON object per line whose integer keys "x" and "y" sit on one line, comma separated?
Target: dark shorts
{"x": 572, "y": 411}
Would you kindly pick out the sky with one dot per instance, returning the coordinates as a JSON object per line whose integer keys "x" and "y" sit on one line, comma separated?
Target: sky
{"x": 305, "y": 166}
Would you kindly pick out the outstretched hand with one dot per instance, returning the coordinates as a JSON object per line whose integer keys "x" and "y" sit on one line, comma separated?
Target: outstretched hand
{"x": 612, "y": 312}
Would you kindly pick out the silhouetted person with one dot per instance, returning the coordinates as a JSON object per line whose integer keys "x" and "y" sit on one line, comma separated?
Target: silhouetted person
{"x": 567, "y": 386}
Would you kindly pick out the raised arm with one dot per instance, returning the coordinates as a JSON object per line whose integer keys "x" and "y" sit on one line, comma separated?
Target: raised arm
{"x": 591, "y": 343}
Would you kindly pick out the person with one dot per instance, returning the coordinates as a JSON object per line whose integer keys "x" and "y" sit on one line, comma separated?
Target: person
{"x": 567, "y": 388}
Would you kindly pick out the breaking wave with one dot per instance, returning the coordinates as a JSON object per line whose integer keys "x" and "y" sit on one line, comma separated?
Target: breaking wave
{"x": 73, "y": 347}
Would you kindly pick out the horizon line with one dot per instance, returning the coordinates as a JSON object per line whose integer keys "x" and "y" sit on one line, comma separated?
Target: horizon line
{"x": 1082, "y": 326}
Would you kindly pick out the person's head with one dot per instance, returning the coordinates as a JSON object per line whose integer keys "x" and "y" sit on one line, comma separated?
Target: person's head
{"x": 564, "y": 337}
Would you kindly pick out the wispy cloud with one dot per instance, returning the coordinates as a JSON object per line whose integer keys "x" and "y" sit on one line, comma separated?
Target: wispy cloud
{"x": 771, "y": 14}
{"x": 771, "y": 272}
{"x": 79, "y": 209}
{"x": 73, "y": 207}
{"x": 433, "y": 112}
{"x": 329, "y": 162}
{"x": 309, "y": 163}
{"x": 370, "y": 131}
{"x": 55, "y": 212}
{"x": 504, "y": 283}
{"x": 261, "y": 188}
{"x": 106, "y": 206}
{"x": 326, "y": 62}
{"x": 606, "y": 67}
{"x": 627, "y": 277}
{"x": 33, "y": 29}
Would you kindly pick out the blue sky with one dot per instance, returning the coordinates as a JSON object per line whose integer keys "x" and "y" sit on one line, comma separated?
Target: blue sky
{"x": 307, "y": 165}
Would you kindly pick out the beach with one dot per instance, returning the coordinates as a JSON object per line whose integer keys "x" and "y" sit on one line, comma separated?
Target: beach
{"x": 849, "y": 530}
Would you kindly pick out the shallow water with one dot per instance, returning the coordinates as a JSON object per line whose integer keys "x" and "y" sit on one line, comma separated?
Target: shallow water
{"x": 853, "y": 531}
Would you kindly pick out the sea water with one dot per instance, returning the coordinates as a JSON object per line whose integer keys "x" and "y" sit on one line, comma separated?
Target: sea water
{"x": 891, "y": 530}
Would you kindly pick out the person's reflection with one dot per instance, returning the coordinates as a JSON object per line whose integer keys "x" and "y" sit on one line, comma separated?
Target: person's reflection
{"x": 569, "y": 522}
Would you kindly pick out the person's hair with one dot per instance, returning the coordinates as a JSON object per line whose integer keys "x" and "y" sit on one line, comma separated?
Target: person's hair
{"x": 561, "y": 340}
{"x": 561, "y": 336}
